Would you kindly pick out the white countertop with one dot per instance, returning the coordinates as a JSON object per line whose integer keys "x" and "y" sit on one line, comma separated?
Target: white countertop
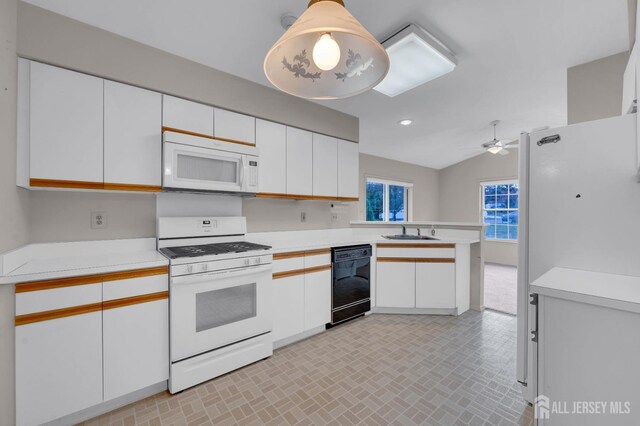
{"x": 39, "y": 262}
{"x": 610, "y": 290}
{"x": 418, "y": 224}
{"x": 313, "y": 240}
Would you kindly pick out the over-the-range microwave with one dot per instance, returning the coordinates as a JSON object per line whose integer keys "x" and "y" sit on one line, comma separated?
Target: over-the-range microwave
{"x": 199, "y": 164}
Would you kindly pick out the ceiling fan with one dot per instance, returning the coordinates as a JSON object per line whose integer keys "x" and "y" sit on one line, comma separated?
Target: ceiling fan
{"x": 498, "y": 146}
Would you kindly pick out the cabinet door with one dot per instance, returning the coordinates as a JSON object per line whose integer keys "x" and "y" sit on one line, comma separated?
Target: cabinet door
{"x": 396, "y": 284}
{"x": 271, "y": 139}
{"x": 136, "y": 334}
{"x": 299, "y": 162}
{"x": 136, "y": 347}
{"x": 435, "y": 285}
{"x": 325, "y": 166}
{"x": 288, "y": 300}
{"x": 186, "y": 115}
{"x": 66, "y": 125}
{"x": 317, "y": 299}
{"x": 348, "y": 169}
{"x": 132, "y": 137}
{"x": 234, "y": 127}
{"x": 58, "y": 367}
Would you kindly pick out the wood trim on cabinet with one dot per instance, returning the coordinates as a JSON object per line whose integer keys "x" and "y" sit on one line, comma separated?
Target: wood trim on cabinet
{"x": 303, "y": 197}
{"x": 134, "y": 300}
{"x": 317, "y": 269}
{"x": 108, "y": 186}
{"x": 135, "y": 273}
{"x": 289, "y": 255}
{"x": 434, "y": 260}
{"x": 57, "y": 183}
{"x": 286, "y": 274}
{"x": 317, "y": 252}
{"x": 57, "y": 313}
{"x": 90, "y": 279}
{"x": 201, "y": 135}
{"x": 58, "y": 283}
{"x": 416, "y": 245}
{"x": 415, "y": 260}
{"x": 396, "y": 259}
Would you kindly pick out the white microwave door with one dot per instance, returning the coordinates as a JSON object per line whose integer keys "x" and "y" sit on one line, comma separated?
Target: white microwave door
{"x": 188, "y": 167}
{"x": 209, "y": 311}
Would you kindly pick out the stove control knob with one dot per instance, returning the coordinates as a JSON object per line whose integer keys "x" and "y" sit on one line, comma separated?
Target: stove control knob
{"x": 190, "y": 269}
{"x": 247, "y": 262}
{"x": 258, "y": 261}
{"x": 204, "y": 267}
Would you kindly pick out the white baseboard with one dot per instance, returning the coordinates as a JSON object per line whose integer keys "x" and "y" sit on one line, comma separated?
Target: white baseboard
{"x": 298, "y": 337}
{"x": 108, "y": 406}
{"x": 415, "y": 311}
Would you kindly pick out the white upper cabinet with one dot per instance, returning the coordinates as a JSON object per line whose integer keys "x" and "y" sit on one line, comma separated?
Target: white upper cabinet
{"x": 348, "y": 169}
{"x": 325, "y": 166}
{"x": 186, "y": 115}
{"x": 299, "y": 162}
{"x": 234, "y": 127}
{"x": 66, "y": 133}
{"x": 271, "y": 139}
{"x": 132, "y": 136}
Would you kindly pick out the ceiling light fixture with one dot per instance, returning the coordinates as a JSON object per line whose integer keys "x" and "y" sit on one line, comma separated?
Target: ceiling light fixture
{"x": 416, "y": 58}
{"x": 326, "y": 54}
{"x": 405, "y": 122}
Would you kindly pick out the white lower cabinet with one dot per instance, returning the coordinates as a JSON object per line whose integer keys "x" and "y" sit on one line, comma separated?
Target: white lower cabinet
{"x": 396, "y": 283}
{"x": 58, "y": 367}
{"x": 288, "y": 296}
{"x": 136, "y": 347}
{"x": 317, "y": 299}
{"x": 435, "y": 285}
{"x": 87, "y": 340}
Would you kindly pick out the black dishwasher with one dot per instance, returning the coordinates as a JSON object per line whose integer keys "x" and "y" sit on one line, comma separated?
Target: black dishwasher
{"x": 351, "y": 288}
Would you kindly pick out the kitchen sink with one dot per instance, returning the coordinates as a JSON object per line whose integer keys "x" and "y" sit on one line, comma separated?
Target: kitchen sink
{"x": 408, "y": 237}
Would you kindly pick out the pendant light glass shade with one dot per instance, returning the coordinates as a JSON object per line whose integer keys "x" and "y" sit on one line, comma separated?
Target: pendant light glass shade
{"x": 326, "y": 54}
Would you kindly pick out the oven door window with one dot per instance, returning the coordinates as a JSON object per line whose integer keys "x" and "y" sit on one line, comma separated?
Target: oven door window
{"x": 218, "y": 308}
{"x": 207, "y": 169}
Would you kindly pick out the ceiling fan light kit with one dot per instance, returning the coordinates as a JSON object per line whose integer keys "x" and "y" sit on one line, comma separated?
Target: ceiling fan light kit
{"x": 326, "y": 54}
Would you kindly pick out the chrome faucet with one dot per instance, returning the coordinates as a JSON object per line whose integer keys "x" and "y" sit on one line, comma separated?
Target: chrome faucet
{"x": 433, "y": 230}
{"x": 418, "y": 232}
{"x": 404, "y": 230}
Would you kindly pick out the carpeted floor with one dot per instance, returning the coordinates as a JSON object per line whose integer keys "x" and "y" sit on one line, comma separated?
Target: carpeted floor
{"x": 501, "y": 288}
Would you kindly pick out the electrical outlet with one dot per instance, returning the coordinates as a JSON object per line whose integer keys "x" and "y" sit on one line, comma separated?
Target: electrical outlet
{"x": 334, "y": 216}
{"x": 303, "y": 217}
{"x": 98, "y": 220}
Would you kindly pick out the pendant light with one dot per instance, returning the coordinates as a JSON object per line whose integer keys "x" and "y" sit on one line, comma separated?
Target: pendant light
{"x": 326, "y": 54}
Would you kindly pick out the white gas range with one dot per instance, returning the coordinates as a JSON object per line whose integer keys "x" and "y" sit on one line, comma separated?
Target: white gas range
{"x": 219, "y": 297}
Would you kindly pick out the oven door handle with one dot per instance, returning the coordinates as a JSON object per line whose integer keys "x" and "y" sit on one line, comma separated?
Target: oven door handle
{"x": 221, "y": 275}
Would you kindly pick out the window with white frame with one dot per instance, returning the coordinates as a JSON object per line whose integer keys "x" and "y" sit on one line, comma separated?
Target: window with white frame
{"x": 500, "y": 210}
{"x": 388, "y": 201}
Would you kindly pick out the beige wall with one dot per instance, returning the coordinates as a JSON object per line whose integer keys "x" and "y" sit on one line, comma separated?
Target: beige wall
{"x": 460, "y": 196}
{"x": 425, "y": 184}
{"x": 14, "y": 202}
{"x": 594, "y": 89}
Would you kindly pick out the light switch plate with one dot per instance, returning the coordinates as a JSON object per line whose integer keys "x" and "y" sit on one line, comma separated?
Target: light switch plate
{"x": 98, "y": 220}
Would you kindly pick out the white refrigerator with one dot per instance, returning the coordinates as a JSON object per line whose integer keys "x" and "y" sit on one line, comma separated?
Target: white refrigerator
{"x": 579, "y": 209}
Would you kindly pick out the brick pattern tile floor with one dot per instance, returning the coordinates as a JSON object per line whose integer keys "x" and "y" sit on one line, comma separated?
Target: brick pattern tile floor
{"x": 379, "y": 370}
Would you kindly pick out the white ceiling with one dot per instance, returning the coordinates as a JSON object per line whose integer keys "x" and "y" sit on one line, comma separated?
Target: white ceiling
{"x": 512, "y": 59}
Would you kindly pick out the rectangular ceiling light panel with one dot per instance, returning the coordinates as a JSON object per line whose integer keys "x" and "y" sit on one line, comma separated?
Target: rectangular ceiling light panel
{"x": 416, "y": 58}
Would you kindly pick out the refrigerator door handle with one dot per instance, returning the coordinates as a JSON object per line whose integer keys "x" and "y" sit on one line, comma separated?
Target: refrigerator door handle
{"x": 534, "y": 330}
